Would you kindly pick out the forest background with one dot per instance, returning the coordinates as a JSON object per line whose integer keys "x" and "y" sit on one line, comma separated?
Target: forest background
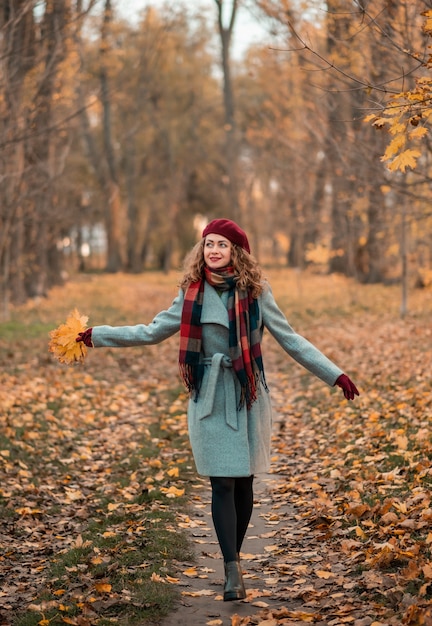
{"x": 120, "y": 138}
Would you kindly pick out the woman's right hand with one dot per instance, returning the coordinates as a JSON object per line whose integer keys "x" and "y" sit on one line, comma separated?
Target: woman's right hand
{"x": 347, "y": 386}
{"x": 86, "y": 338}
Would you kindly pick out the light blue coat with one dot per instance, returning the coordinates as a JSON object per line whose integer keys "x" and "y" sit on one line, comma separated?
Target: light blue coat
{"x": 225, "y": 440}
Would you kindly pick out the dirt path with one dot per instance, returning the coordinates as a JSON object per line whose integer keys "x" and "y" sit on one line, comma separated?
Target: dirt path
{"x": 291, "y": 575}
{"x": 300, "y": 565}
{"x": 201, "y": 601}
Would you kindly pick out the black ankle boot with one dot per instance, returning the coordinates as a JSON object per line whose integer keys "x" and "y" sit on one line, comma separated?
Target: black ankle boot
{"x": 234, "y": 587}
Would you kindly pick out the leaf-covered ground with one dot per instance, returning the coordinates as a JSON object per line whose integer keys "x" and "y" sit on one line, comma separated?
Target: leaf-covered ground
{"x": 96, "y": 474}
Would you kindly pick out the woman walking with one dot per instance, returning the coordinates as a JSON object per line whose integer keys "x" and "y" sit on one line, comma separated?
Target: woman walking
{"x": 221, "y": 311}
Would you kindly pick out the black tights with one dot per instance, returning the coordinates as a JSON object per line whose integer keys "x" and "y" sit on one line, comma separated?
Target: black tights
{"x": 232, "y": 504}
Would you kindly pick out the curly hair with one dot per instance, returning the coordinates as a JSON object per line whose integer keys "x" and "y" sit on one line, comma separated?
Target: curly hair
{"x": 244, "y": 264}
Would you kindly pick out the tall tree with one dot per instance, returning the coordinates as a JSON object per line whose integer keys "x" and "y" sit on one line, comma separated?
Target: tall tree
{"x": 230, "y": 127}
{"x": 18, "y": 47}
{"x": 42, "y": 151}
{"x": 339, "y": 138}
{"x": 103, "y": 160}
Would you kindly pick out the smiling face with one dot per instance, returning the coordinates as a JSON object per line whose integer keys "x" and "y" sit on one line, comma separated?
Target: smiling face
{"x": 217, "y": 251}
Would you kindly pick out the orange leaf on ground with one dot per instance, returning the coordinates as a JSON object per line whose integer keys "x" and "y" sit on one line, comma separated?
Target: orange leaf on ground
{"x": 103, "y": 587}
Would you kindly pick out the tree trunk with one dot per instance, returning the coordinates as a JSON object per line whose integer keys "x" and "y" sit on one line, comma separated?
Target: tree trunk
{"x": 337, "y": 142}
{"x": 41, "y": 148}
{"x": 105, "y": 166}
{"x": 115, "y": 214}
{"x": 374, "y": 172}
{"x": 17, "y": 46}
{"x": 115, "y": 261}
{"x": 231, "y": 133}
{"x": 17, "y": 257}
{"x": 404, "y": 259}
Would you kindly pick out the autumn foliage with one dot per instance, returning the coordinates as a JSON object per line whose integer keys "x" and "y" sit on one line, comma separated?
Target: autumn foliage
{"x": 63, "y": 342}
{"x": 97, "y": 482}
{"x": 311, "y": 79}
{"x": 407, "y": 115}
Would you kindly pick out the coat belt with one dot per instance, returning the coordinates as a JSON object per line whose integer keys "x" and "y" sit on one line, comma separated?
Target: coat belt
{"x": 220, "y": 364}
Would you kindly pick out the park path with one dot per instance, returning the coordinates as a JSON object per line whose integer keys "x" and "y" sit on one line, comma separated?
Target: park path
{"x": 299, "y": 563}
{"x": 201, "y": 600}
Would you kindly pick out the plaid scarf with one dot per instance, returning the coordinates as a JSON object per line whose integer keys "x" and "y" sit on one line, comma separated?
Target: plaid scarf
{"x": 244, "y": 335}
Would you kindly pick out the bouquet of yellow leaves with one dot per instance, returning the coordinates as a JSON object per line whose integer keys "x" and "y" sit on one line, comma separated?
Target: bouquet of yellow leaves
{"x": 63, "y": 342}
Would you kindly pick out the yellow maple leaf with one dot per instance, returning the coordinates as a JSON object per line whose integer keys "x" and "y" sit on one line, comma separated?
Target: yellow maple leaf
{"x": 103, "y": 587}
{"x": 173, "y": 581}
{"x": 157, "y": 578}
{"x": 394, "y": 147}
{"x": 63, "y": 342}
{"x": 398, "y": 130}
{"x": 407, "y": 158}
{"x": 173, "y": 492}
{"x": 418, "y": 132}
{"x": 191, "y": 572}
{"x": 427, "y": 27}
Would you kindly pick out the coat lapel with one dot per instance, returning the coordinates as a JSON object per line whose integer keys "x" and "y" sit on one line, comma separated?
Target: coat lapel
{"x": 214, "y": 310}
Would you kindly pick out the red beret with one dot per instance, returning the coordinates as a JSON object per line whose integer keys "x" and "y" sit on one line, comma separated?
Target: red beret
{"x": 229, "y": 230}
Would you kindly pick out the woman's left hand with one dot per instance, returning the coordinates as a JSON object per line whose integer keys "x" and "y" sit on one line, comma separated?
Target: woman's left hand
{"x": 86, "y": 337}
{"x": 347, "y": 386}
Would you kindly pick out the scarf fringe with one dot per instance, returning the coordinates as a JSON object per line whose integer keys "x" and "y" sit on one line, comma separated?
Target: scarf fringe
{"x": 250, "y": 392}
{"x": 188, "y": 374}
{"x": 192, "y": 377}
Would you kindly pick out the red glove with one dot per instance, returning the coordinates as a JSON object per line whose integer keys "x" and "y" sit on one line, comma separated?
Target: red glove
{"x": 347, "y": 386}
{"x": 86, "y": 338}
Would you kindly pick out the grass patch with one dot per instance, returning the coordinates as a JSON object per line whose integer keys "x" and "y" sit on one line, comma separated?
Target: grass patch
{"x": 19, "y": 330}
{"x": 119, "y": 569}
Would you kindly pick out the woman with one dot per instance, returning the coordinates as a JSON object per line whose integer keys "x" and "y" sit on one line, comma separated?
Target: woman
{"x": 221, "y": 311}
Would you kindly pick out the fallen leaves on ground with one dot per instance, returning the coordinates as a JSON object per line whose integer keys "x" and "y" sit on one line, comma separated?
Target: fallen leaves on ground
{"x": 349, "y": 526}
{"x": 352, "y": 480}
